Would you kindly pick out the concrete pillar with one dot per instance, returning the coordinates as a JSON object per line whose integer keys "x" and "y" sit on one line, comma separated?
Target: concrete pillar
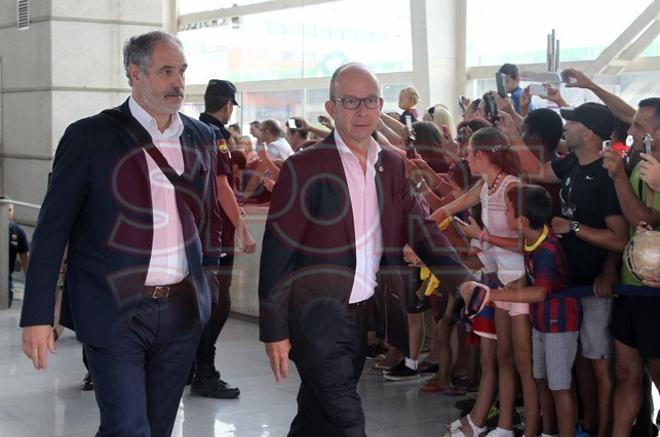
{"x": 438, "y": 34}
{"x": 67, "y": 65}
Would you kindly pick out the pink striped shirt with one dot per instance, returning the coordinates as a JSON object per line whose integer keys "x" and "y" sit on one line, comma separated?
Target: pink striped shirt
{"x": 366, "y": 218}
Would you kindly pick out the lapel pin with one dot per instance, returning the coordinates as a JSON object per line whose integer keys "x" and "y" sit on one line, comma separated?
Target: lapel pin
{"x": 380, "y": 168}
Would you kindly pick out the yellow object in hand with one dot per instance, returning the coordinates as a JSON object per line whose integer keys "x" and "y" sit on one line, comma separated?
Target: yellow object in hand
{"x": 434, "y": 282}
{"x": 445, "y": 223}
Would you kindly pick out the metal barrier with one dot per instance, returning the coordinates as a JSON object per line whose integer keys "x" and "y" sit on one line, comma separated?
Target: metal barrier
{"x": 4, "y": 246}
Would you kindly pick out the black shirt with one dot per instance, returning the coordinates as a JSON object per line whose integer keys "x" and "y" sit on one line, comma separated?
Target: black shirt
{"x": 587, "y": 195}
{"x": 223, "y": 169}
{"x": 18, "y": 243}
{"x": 224, "y": 156}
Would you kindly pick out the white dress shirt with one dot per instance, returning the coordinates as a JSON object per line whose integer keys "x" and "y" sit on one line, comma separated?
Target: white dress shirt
{"x": 168, "y": 263}
{"x": 279, "y": 149}
{"x": 366, "y": 218}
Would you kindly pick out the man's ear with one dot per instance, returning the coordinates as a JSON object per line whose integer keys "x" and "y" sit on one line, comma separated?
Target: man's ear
{"x": 134, "y": 72}
{"x": 330, "y": 108}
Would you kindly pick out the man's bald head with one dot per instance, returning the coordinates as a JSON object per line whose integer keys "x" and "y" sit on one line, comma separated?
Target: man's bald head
{"x": 351, "y": 67}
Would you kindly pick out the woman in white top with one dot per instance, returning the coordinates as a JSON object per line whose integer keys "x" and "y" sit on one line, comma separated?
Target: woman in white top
{"x": 490, "y": 156}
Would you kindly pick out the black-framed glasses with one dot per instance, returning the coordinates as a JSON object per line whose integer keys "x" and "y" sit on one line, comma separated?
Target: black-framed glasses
{"x": 350, "y": 102}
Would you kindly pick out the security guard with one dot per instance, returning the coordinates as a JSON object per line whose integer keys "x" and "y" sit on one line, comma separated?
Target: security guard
{"x": 219, "y": 101}
{"x": 18, "y": 246}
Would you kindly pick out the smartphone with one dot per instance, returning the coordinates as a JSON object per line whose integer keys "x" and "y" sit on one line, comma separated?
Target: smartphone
{"x": 538, "y": 89}
{"x": 409, "y": 123}
{"x": 566, "y": 78}
{"x": 411, "y": 151}
{"x": 647, "y": 141}
{"x": 455, "y": 218}
{"x": 476, "y": 302}
{"x": 490, "y": 108}
{"x": 607, "y": 144}
{"x": 292, "y": 124}
{"x": 500, "y": 80}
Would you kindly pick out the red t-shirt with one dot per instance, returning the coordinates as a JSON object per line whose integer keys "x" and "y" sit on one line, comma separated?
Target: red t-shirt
{"x": 546, "y": 266}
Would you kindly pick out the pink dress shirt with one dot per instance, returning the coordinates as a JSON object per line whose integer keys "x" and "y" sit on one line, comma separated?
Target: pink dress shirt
{"x": 168, "y": 263}
{"x": 366, "y": 218}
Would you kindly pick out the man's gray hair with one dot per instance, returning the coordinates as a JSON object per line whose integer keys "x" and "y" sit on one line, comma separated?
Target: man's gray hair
{"x": 138, "y": 49}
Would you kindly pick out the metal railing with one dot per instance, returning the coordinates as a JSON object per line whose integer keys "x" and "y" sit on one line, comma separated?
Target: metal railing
{"x": 4, "y": 246}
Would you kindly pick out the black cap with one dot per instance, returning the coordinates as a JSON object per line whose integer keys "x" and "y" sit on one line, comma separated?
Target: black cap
{"x": 594, "y": 116}
{"x": 221, "y": 88}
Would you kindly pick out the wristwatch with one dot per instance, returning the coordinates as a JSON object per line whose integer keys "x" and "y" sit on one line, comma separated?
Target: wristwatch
{"x": 575, "y": 226}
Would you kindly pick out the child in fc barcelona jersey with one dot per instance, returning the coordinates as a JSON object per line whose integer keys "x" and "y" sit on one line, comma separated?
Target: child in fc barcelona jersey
{"x": 555, "y": 320}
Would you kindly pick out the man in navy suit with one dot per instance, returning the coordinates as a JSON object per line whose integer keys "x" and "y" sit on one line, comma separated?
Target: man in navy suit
{"x": 139, "y": 249}
{"x": 340, "y": 214}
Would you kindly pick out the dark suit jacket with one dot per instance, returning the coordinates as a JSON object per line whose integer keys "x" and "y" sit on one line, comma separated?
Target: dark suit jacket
{"x": 308, "y": 257}
{"x": 99, "y": 203}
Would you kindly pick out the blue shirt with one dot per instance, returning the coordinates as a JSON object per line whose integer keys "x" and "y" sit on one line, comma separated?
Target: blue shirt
{"x": 515, "y": 97}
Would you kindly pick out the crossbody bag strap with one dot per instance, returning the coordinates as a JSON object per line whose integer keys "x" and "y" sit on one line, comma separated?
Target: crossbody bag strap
{"x": 140, "y": 135}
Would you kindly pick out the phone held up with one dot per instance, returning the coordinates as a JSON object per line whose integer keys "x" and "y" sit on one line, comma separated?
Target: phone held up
{"x": 538, "y": 89}
{"x": 500, "y": 80}
{"x": 293, "y": 124}
{"x": 411, "y": 152}
{"x": 490, "y": 108}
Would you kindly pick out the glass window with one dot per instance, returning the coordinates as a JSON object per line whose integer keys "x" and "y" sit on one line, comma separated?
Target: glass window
{"x": 653, "y": 49}
{"x": 303, "y": 42}
{"x": 279, "y": 105}
{"x": 192, "y": 6}
{"x": 316, "y": 99}
{"x": 515, "y": 31}
{"x": 391, "y": 98}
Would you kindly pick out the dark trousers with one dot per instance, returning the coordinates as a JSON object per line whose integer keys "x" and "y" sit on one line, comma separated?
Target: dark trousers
{"x": 139, "y": 379}
{"x": 328, "y": 401}
{"x": 219, "y": 314}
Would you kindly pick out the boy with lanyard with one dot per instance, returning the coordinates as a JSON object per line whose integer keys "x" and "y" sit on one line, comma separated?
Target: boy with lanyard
{"x": 555, "y": 322}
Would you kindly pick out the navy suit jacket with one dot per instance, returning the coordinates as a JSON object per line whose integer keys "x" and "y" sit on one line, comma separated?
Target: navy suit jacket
{"x": 309, "y": 256}
{"x": 99, "y": 203}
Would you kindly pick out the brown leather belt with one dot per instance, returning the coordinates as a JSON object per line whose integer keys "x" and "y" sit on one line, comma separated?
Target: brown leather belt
{"x": 165, "y": 291}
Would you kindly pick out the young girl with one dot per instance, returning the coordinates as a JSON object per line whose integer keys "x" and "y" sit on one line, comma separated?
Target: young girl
{"x": 489, "y": 155}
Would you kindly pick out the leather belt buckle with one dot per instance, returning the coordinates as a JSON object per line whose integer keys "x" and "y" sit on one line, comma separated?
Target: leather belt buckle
{"x": 161, "y": 292}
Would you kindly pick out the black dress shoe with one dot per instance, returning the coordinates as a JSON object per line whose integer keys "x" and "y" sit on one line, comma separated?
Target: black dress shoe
{"x": 87, "y": 384}
{"x": 213, "y": 388}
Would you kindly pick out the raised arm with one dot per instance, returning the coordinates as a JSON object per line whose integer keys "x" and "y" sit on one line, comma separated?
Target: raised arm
{"x": 620, "y": 109}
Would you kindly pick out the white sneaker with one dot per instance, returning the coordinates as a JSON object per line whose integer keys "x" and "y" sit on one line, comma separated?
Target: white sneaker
{"x": 499, "y": 432}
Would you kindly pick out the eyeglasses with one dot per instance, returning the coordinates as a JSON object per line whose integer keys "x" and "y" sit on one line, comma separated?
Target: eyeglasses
{"x": 350, "y": 103}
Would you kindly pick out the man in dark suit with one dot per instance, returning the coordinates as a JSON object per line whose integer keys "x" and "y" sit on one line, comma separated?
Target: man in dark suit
{"x": 139, "y": 249}
{"x": 340, "y": 214}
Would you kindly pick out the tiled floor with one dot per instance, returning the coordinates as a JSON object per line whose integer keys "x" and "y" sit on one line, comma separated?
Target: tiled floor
{"x": 45, "y": 404}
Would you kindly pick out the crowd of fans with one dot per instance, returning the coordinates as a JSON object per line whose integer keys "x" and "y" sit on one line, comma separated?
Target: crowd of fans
{"x": 536, "y": 202}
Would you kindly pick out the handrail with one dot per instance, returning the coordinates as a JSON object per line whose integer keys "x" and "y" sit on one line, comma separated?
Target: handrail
{"x": 4, "y": 246}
